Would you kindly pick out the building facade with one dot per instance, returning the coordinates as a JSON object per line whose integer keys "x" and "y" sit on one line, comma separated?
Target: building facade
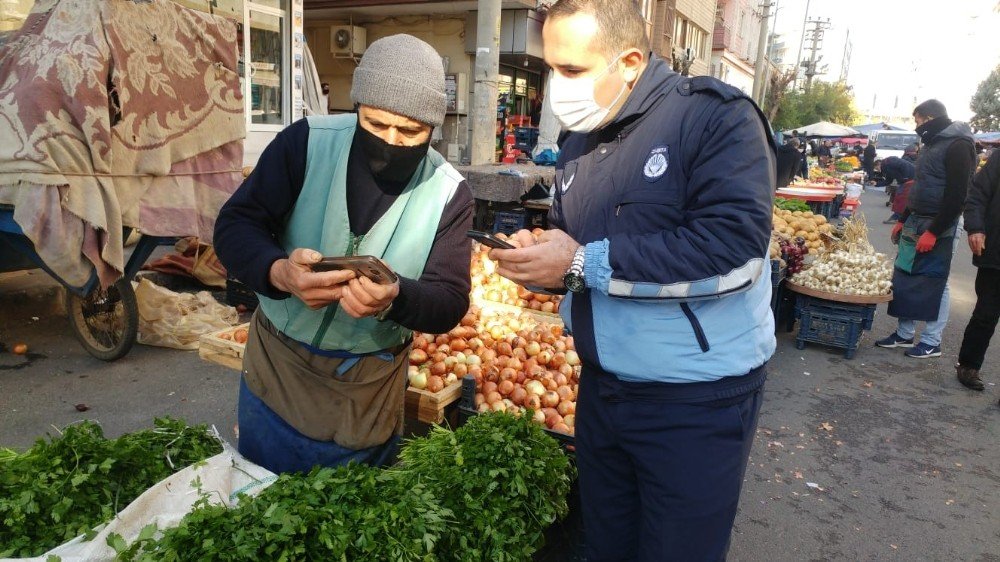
{"x": 734, "y": 43}
{"x": 682, "y": 29}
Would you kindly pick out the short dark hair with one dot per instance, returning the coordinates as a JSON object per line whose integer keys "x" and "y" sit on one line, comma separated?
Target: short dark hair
{"x": 931, "y": 109}
{"x": 620, "y": 24}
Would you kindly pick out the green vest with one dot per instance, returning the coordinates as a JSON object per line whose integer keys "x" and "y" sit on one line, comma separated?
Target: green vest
{"x": 402, "y": 237}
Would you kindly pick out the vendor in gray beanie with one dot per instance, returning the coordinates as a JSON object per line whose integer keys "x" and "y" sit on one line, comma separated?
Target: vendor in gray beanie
{"x": 326, "y": 360}
{"x": 404, "y": 75}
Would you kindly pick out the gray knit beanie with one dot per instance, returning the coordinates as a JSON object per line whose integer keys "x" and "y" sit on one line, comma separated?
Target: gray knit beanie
{"x": 404, "y": 75}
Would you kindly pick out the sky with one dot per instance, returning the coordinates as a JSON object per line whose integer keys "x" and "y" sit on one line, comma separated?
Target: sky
{"x": 902, "y": 50}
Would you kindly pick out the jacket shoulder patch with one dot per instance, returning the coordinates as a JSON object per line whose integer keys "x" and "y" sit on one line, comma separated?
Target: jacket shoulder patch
{"x": 707, "y": 84}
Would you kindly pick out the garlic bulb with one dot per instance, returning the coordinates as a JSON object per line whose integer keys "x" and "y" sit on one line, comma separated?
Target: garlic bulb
{"x": 848, "y": 273}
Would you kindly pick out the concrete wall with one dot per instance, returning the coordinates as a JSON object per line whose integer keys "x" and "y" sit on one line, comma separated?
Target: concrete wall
{"x": 444, "y": 33}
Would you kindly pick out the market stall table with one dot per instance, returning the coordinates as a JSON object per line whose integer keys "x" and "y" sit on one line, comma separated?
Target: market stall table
{"x": 505, "y": 183}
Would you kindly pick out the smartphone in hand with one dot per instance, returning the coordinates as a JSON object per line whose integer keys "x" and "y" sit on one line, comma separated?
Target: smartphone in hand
{"x": 487, "y": 239}
{"x": 362, "y": 266}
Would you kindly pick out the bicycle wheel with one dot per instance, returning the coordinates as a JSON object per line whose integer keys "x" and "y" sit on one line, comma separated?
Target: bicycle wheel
{"x": 106, "y": 322}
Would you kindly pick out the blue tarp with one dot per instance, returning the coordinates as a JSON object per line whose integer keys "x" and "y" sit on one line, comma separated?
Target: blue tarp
{"x": 988, "y": 137}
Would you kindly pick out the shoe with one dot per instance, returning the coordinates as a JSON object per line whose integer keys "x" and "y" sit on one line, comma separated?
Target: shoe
{"x": 894, "y": 341}
{"x": 924, "y": 351}
{"x": 889, "y": 220}
{"x": 969, "y": 377}
{"x": 887, "y": 203}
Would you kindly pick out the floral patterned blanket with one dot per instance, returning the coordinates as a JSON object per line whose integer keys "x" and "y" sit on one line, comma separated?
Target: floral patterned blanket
{"x": 115, "y": 113}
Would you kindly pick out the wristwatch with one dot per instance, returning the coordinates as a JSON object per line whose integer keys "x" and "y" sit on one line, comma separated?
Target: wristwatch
{"x": 574, "y": 279}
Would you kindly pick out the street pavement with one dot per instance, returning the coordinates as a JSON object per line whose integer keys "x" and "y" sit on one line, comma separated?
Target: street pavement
{"x": 880, "y": 457}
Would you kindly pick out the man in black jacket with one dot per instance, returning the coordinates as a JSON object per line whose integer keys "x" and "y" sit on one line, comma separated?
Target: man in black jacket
{"x": 982, "y": 222}
{"x": 926, "y": 231}
{"x": 789, "y": 162}
{"x": 869, "y": 160}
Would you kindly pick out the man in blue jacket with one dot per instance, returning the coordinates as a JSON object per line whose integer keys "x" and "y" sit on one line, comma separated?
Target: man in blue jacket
{"x": 661, "y": 216}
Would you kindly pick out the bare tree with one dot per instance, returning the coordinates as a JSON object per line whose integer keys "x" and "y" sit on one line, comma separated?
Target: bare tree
{"x": 776, "y": 90}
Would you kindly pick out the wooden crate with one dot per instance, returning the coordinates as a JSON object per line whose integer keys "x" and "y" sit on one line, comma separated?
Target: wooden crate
{"x": 224, "y": 352}
{"x": 428, "y": 407}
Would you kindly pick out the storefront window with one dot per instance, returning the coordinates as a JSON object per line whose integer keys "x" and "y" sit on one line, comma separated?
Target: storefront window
{"x": 266, "y": 70}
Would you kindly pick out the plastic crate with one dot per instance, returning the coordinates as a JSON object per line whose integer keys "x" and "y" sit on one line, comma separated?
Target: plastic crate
{"x": 237, "y": 293}
{"x": 510, "y": 222}
{"x": 832, "y": 323}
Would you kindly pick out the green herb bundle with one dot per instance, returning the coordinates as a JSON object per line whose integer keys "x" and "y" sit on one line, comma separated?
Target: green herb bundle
{"x": 64, "y": 487}
{"x": 791, "y": 204}
{"x": 486, "y": 491}
{"x": 348, "y": 513}
{"x": 505, "y": 479}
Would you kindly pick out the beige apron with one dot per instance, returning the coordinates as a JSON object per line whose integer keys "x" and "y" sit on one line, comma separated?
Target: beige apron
{"x": 361, "y": 408}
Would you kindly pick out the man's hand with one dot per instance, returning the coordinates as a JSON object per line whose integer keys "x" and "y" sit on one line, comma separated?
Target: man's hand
{"x": 977, "y": 243}
{"x": 316, "y": 289}
{"x": 364, "y": 297}
{"x": 540, "y": 264}
{"x": 926, "y": 242}
{"x": 896, "y": 230}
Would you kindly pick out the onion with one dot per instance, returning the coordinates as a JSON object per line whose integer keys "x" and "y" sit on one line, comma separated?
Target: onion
{"x": 560, "y": 345}
{"x": 504, "y": 348}
{"x": 515, "y": 363}
{"x": 489, "y": 387}
{"x": 420, "y": 342}
{"x": 476, "y": 370}
{"x": 561, "y": 379}
{"x": 438, "y": 357}
{"x": 438, "y": 369}
{"x": 479, "y": 399}
{"x": 566, "y": 370}
{"x": 520, "y": 353}
{"x": 475, "y": 343}
{"x": 550, "y": 384}
{"x": 518, "y": 395}
{"x": 418, "y": 357}
{"x": 498, "y": 406}
{"x": 449, "y": 362}
{"x": 468, "y": 320}
{"x": 507, "y": 374}
{"x": 552, "y": 419}
{"x": 549, "y": 307}
{"x": 570, "y": 420}
{"x": 418, "y": 379}
{"x": 520, "y": 341}
{"x": 560, "y": 427}
{"x": 435, "y": 383}
{"x": 541, "y": 297}
{"x": 493, "y": 397}
{"x": 535, "y": 388}
{"x": 566, "y": 407}
{"x": 441, "y": 340}
{"x": 451, "y": 378}
{"x": 544, "y": 357}
{"x": 533, "y": 349}
{"x": 534, "y": 402}
{"x": 572, "y": 358}
{"x": 431, "y": 348}
{"x": 483, "y": 408}
{"x": 521, "y": 377}
{"x": 496, "y": 333}
{"x": 565, "y": 393}
{"x": 550, "y": 399}
{"x": 459, "y": 344}
{"x": 538, "y": 416}
{"x": 460, "y": 370}
{"x": 558, "y": 360}
{"x": 473, "y": 360}
{"x": 505, "y": 387}
{"x": 446, "y": 349}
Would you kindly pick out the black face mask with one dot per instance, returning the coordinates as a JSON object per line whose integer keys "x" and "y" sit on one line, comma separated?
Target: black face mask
{"x": 389, "y": 162}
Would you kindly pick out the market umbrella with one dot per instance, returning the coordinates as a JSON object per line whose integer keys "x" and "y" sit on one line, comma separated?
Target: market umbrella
{"x": 823, "y": 129}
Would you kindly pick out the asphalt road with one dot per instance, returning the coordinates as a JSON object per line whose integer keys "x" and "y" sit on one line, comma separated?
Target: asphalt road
{"x": 876, "y": 458}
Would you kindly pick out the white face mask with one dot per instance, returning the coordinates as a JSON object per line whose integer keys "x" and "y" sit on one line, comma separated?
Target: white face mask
{"x": 573, "y": 101}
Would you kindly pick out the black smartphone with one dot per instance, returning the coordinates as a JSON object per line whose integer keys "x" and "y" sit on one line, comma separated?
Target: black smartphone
{"x": 487, "y": 239}
{"x": 363, "y": 266}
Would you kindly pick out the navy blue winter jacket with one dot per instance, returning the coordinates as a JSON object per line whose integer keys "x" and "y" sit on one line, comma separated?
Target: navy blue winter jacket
{"x": 673, "y": 202}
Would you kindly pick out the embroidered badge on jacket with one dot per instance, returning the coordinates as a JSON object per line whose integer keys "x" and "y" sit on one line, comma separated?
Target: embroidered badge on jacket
{"x": 656, "y": 163}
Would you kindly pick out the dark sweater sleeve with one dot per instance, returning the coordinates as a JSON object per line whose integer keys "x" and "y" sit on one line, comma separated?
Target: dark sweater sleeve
{"x": 437, "y": 301}
{"x": 959, "y": 162}
{"x": 247, "y": 230}
{"x": 981, "y": 194}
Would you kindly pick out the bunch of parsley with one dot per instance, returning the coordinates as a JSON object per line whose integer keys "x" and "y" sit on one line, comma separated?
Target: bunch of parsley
{"x": 65, "y": 486}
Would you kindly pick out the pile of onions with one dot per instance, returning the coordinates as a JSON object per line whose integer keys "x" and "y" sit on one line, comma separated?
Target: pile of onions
{"x": 488, "y": 285}
{"x": 518, "y": 363}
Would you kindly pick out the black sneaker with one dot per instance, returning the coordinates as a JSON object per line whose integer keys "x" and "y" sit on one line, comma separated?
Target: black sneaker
{"x": 969, "y": 377}
{"x": 924, "y": 351}
{"x": 894, "y": 341}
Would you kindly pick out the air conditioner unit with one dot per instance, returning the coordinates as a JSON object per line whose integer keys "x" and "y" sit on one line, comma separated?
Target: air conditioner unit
{"x": 348, "y": 40}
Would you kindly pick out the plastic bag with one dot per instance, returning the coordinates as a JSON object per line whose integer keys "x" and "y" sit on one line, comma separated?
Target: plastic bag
{"x": 178, "y": 320}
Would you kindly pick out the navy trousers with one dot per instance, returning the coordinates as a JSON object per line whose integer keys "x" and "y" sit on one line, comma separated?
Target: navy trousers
{"x": 271, "y": 442}
{"x": 660, "y": 476}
